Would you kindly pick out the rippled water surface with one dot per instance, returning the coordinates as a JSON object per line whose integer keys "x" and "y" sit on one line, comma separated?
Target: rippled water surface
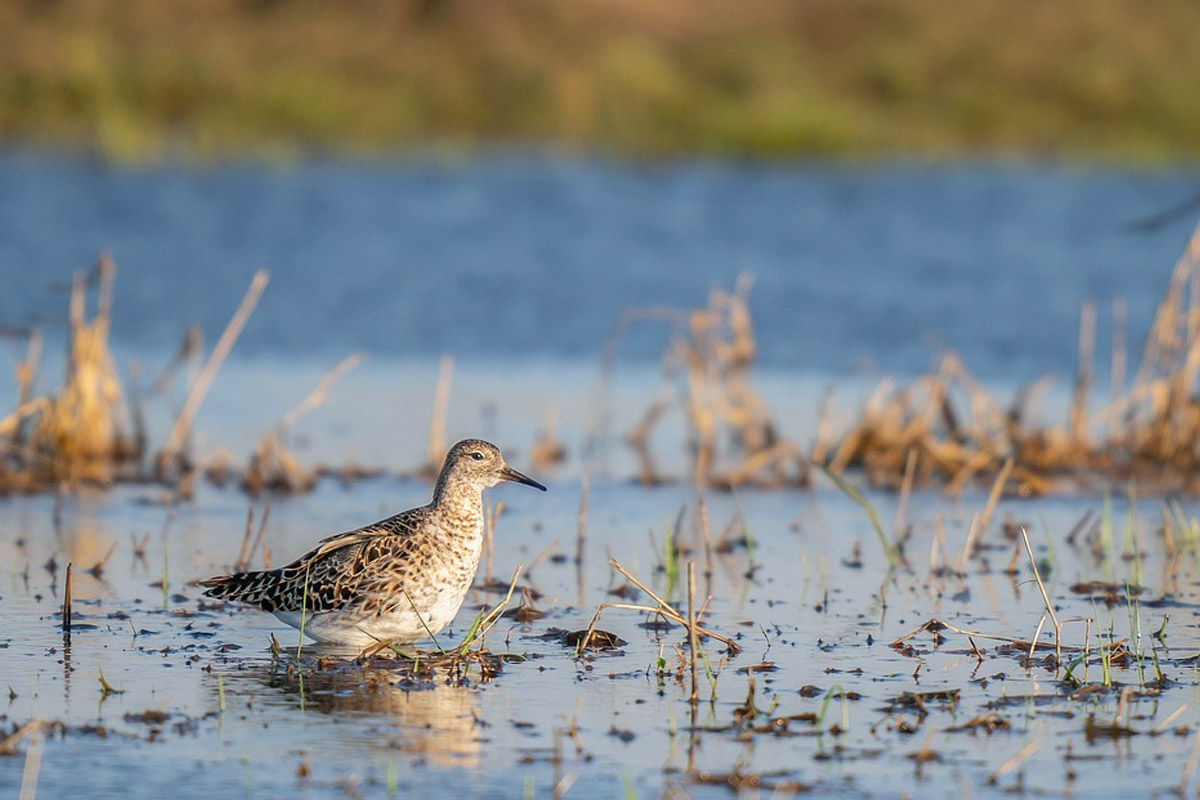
{"x": 810, "y": 613}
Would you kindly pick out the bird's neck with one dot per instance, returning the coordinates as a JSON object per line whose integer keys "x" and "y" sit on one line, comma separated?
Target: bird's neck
{"x": 459, "y": 504}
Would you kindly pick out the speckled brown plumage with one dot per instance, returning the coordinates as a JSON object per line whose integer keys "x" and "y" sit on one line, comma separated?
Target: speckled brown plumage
{"x": 399, "y": 579}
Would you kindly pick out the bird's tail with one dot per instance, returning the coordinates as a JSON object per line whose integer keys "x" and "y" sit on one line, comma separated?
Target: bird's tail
{"x": 245, "y": 587}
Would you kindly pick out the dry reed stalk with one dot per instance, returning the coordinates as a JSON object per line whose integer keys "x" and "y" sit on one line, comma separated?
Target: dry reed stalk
{"x": 1189, "y": 769}
{"x": 11, "y": 425}
{"x": 435, "y": 447}
{"x": 960, "y": 565}
{"x": 706, "y": 534}
{"x": 1150, "y": 429}
{"x": 1041, "y": 585}
{"x": 1033, "y": 643}
{"x": 910, "y": 468}
{"x": 1015, "y": 761}
{"x": 777, "y": 456}
{"x": 8, "y": 745}
{"x": 547, "y": 450}
{"x": 489, "y": 620}
{"x": 994, "y": 495}
{"x": 599, "y": 414}
{"x": 272, "y": 465}
{"x": 664, "y": 609}
{"x": 711, "y": 352}
{"x": 939, "y": 540}
{"x": 81, "y": 432}
{"x": 547, "y": 551}
{"x": 249, "y": 545}
{"x": 33, "y": 765}
{"x": 693, "y": 640}
{"x": 1165, "y": 723}
{"x": 168, "y": 457}
{"x": 1077, "y": 426}
{"x": 581, "y": 522}
{"x": 320, "y": 394}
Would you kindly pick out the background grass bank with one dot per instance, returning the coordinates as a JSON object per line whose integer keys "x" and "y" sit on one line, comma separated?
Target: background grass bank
{"x": 135, "y": 79}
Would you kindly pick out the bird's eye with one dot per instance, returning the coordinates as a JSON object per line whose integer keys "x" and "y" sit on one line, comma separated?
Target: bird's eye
{"x": 478, "y": 456}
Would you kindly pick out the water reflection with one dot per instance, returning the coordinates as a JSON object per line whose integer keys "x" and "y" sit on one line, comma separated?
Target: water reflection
{"x": 87, "y": 546}
{"x": 436, "y": 720}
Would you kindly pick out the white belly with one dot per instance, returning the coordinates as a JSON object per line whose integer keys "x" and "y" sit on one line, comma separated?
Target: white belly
{"x": 400, "y": 627}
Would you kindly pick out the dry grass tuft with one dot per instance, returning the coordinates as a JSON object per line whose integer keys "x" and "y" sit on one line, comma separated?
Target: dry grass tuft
{"x": 1148, "y": 432}
{"x": 78, "y": 434}
{"x": 944, "y": 428}
{"x": 732, "y": 438}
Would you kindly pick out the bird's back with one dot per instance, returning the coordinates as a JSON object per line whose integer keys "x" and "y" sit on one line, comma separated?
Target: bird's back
{"x": 334, "y": 574}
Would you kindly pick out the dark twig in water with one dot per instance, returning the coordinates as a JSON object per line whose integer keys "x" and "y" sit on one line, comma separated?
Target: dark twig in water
{"x": 66, "y": 604}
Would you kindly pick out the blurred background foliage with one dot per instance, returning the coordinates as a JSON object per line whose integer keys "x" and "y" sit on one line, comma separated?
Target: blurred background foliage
{"x": 140, "y": 79}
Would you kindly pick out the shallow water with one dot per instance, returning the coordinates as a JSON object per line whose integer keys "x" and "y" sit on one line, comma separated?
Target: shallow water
{"x": 595, "y": 726}
{"x": 521, "y": 268}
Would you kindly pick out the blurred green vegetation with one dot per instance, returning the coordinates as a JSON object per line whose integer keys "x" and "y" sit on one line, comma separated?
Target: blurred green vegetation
{"x": 135, "y": 79}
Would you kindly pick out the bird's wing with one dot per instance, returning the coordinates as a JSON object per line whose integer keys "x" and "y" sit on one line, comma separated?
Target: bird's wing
{"x": 331, "y": 576}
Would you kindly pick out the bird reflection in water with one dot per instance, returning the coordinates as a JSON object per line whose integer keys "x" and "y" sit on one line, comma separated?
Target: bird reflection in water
{"x": 437, "y": 718}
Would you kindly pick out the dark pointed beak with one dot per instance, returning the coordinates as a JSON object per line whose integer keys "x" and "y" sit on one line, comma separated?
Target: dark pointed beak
{"x": 510, "y": 474}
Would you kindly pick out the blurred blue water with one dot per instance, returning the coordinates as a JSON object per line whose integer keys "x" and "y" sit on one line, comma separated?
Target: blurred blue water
{"x": 516, "y": 257}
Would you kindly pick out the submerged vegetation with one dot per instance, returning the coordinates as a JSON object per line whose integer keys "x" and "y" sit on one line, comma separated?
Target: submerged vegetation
{"x": 137, "y": 79}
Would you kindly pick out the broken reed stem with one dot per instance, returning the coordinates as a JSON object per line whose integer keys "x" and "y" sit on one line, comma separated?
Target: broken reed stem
{"x": 33, "y": 765}
{"x": 706, "y": 532}
{"x": 489, "y": 620}
{"x": 1076, "y": 428}
{"x": 245, "y": 548}
{"x": 693, "y": 640}
{"x": 199, "y": 389}
{"x": 1166, "y": 723}
{"x": 249, "y": 545}
{"x": 1045, "y": 596}
{"x": 66, "y": 607}
{"x": 968, "y": 546}
{"x": 258, "y": 537}
{"x": 1037, "y": 634}
{"x": 994, "y": 495}
{"x": 317, "y": 397}
{"x": 581, "y": 528}
{"x": 1189, "y": 769}
{"x": 1016, "y": 760}
{"x": 1122, "y": 706}
{"x": 435, "y": 448}
{"x": 667, "y": 610}
{"x": 906, "y": 484}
